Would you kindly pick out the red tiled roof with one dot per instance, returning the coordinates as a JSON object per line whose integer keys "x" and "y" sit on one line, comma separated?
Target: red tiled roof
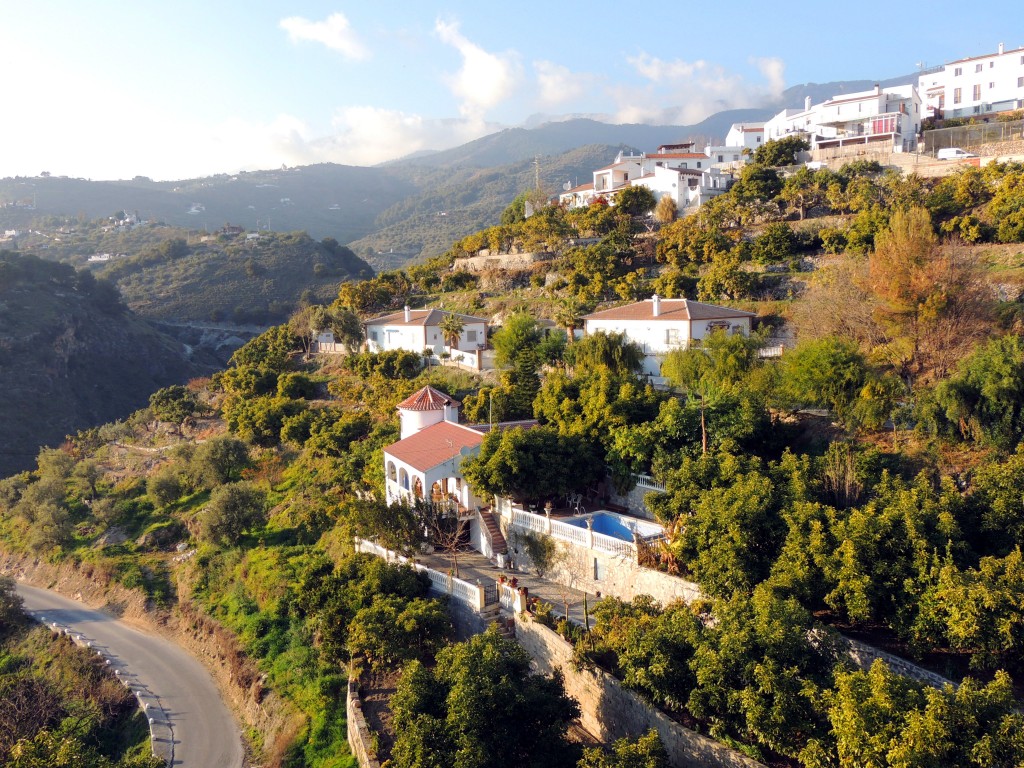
{"x": 427, "y": 399}
{"x": 676, "y": 154}
{"x": 428, "y": 317}
{"x": 671, "y": 309}
{"x": 434, "y": 445}
{"x": 580, "y": 188}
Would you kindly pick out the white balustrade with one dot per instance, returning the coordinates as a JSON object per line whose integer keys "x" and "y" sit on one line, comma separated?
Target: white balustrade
{"x": 460, "y": 590}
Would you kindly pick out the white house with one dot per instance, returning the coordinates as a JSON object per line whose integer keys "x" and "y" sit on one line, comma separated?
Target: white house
{"x": 979, "y": 85}
{"x": 745, "y": 136}
{"x": 426, "y": 460}
{"x": 418, "y": 329}
{"x": 617, "y": 176}
{"x": 660, "y": 325}
{"x": 689, "y": 188}
{"x": 884, "y": 118}
{"x": 425, "y": 465}
{"x": 675, "y": 170}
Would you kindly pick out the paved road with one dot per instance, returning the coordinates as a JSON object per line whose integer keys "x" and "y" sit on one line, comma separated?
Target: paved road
{"x": 191, "y": 724}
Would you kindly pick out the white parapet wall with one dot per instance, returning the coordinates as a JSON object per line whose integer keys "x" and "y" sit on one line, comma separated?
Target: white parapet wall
{"x": 471, "y": 595}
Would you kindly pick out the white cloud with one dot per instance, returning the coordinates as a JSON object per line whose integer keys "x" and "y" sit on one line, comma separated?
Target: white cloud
{"x": 335, "y": 32}
{"x": 368, "y": 135}
{"x": 560, "y": 85}
{"x": 485, "y": 79}
{"x": 774, "y": 71}
{"x": 658, "y": 70}
{"x": 697, "y": 89}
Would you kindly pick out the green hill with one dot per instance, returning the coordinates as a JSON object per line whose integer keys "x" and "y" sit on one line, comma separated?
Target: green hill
{"x": 72, "y": 356}
{"x": 231, "y": 278}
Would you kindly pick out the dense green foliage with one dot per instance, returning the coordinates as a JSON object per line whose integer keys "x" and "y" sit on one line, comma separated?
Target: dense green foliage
{"x": 61, "y": 706}
{"x": 480, "y": 707}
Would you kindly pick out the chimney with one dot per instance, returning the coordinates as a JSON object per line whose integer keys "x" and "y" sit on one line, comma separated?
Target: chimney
{"x": 878, "y": 89}
{"x": 807, "y": 103}
{"x": 655, "y": 305}
{"x": 1000, "y": 48}
{"x": 408, "y": 313}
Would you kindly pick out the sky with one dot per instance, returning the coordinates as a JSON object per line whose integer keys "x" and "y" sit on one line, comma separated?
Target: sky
{"x": 177, "y": 89}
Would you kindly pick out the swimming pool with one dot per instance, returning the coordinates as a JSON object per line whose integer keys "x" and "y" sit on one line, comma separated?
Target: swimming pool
{"x": 617, "y": 526}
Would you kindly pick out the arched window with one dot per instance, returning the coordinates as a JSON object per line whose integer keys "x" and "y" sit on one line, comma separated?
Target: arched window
{"x": 403, "y": 479}
{"x": 392, "y": 472}
{"x": 417, "y": 489}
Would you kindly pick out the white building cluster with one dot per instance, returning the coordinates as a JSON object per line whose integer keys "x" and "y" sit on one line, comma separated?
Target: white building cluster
{"x": 976, "y": 86}
{"x": 881, "y": 118}
{"x": 689, "y": 178}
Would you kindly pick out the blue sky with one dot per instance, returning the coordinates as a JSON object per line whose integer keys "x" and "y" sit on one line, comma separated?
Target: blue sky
{"x": 186, "y": 88}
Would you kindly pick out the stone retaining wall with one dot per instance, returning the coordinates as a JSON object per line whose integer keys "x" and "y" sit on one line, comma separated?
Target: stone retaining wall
{"x": 864, "y": 655}
{"x": 511, "y": 261}
{"x": 360, "y": 739}
{"x": 611, "y": 712}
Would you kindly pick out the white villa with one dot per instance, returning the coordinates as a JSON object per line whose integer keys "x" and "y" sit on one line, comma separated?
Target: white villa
{"x": 688, "y": 177}
{"x": 425, "y": 465}
{"x": 426, "y": 460}
{"x": 884, "y": 118}
{"x": 418, "y": 329}
{"x": 978, "y": 85}
{"x": 661, "y": 325}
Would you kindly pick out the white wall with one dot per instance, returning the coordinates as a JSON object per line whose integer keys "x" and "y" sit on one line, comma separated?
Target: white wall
{"x": 997, "y": 80}
{"x": 388, "y": 337}
{"x": 415, "y": 338}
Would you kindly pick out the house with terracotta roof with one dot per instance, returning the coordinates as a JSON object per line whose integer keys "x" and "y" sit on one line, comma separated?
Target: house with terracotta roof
{"x": 418, "y": 329}
{"x": 425, "y": 465}
{"x": 745, "y": 135}
{"x": 659, "y": 325}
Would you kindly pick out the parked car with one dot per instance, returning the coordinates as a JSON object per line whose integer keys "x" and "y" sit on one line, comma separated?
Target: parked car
{"x": 953, "y": 153}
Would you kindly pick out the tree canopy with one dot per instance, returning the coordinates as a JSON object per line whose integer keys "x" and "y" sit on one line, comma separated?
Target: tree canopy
{"x": 481, "y": 706}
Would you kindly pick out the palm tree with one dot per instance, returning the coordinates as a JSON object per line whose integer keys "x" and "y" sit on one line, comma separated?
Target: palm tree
{"x": 451, "y": 328}
{"x": 568, "y": 316}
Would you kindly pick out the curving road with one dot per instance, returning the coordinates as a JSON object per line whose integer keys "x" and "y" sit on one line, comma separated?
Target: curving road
{"x": 192, "y": 727}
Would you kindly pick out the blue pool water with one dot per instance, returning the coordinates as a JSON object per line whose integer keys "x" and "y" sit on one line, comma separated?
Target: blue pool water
{"x": 617, "y": 526}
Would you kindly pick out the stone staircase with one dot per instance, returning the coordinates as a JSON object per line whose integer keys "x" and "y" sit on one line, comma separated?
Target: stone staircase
{"x": 506, "y": 624}
{"x": 497, "y": 538}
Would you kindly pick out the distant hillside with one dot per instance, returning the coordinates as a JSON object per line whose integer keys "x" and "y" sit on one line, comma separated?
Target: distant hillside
{"x": 392, "y": 213}
{"x": 459, "y": 201}
{"x": 325, "y": 200}
{"x": 243, "y": 281}
{"x": 71, "y": 357}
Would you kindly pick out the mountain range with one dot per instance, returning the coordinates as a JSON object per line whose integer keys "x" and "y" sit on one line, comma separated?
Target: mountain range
{"x": 395, "y": 212}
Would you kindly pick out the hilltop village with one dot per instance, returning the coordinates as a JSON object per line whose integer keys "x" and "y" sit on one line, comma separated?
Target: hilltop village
{"x": 713, "y": 460}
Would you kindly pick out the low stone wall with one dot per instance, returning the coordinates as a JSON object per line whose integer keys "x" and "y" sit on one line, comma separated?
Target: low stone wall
{"x": 466, "y": 621}
{"x": 511, "y": 261}
{"x": 360, "y": 740}
{"x": 635, "y": 500}
{"x": 612, "y": 575}
{"x": 864, "y": 655}
{"x": 611, "y": 712}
